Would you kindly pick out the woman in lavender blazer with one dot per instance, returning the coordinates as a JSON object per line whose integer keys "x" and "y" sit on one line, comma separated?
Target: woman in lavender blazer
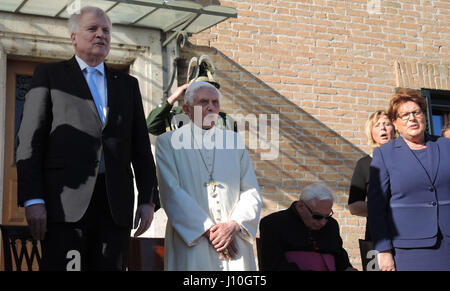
{"x": 409, "y": 192}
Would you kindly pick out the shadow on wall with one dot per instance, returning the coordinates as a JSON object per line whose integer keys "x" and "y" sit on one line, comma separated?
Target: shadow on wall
{"x": 309, "y": 151}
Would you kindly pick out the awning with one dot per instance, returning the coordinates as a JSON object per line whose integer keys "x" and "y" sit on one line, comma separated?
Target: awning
{"x": 186, "y": 16}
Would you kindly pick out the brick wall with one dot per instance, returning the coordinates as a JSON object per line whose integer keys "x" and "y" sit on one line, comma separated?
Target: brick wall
{"x": 323, "y": 67}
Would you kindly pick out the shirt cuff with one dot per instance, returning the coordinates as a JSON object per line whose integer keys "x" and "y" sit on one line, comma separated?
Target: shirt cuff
{"x": 32, "y": 202}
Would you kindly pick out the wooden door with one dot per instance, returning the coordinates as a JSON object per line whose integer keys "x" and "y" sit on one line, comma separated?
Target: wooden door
{"x": 18, "y": 81}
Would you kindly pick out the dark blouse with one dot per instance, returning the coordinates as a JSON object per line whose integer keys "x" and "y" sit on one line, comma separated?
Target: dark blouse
{"x": 424, "y": 159}
{"x": 285, "y": 231}
{"x": 360, "y": 185}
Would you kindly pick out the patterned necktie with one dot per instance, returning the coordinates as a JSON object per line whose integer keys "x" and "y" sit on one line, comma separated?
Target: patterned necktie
{"x": 91, "y": 76}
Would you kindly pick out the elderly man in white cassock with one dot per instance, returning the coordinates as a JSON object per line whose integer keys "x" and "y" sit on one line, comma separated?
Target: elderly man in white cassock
{"x": 208, "y": 190}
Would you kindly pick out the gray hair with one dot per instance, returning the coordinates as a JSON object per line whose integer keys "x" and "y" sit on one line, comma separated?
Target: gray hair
{"x": 189, "y": 96}
{"x": 316, "y": 191}
{"x": 74, "y": 20}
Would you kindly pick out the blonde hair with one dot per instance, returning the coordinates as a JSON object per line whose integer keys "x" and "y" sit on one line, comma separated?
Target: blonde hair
{"x": 373, "y": 118}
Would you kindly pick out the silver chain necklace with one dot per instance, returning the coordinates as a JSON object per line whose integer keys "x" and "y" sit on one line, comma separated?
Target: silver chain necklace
{"x": 211, "y": 182}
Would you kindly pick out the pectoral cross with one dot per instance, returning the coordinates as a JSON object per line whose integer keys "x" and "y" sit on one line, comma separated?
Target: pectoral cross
{"x": 211, "y": 185}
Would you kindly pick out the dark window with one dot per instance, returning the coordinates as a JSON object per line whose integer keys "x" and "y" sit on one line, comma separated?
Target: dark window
{"x": 438, "y": 109}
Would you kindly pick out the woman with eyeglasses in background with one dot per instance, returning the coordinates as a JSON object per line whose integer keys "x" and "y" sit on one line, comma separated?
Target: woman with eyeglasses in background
{"x": 379, "y": 130}
{"x": 409, "y": 192}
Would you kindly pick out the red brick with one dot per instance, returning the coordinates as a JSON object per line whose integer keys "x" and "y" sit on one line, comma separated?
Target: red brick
{"x": 324, "y": 66}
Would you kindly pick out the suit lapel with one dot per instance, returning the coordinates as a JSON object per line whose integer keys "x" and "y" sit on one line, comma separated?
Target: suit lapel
{"x": 434, "y": 156}
{"x": 113, "y": 87}
{"x": 81, "y": 87}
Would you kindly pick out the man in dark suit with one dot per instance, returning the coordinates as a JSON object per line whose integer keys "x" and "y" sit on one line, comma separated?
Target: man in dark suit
{"x": 83, "y": 126}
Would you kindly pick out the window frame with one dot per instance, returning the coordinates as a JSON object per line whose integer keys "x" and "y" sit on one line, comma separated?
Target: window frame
{"x": 438, "y": 100}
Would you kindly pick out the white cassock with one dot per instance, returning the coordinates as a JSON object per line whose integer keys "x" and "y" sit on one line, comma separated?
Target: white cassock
{"x": 192, "y": 208}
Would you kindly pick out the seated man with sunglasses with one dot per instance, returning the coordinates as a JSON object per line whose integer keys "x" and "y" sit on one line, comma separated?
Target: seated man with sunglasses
{"x": 304, "y": 236}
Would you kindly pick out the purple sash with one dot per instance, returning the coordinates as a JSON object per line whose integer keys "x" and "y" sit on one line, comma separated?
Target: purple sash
{"x": 311, "y": 260}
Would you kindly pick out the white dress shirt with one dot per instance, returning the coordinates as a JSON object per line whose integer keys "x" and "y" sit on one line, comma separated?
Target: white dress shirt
{"x": 100, "y": 83}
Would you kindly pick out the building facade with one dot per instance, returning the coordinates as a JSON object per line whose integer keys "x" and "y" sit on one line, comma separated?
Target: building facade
{"x": 304, "y": 74}
{"x": 324, "y": 66}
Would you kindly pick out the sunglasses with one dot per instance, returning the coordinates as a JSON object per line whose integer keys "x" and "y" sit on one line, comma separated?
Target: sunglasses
{"x": 317, "y": 216}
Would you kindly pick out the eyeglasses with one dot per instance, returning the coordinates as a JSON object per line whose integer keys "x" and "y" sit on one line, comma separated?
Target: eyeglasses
{"x": 317, "y": 216}
{"x": 405, "y": 116}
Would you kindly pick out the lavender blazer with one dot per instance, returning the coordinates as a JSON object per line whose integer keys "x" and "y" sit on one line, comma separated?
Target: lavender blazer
{"x": 406, "y": 204}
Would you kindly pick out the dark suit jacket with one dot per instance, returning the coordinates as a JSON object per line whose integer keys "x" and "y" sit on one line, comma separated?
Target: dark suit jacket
{"x": 285, "y": 231}
{"x": 61, "y": 138}
{"x": 406, "y": 204}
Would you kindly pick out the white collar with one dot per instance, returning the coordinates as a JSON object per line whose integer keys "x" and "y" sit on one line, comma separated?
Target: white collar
{"x": 201, "y": 135}
{"x": 100, "y": 67}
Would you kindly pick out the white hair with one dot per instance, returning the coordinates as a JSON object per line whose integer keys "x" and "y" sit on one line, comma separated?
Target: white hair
{"x": 74, "y": 20}
{"x": 316, "y": 191}
{"x": 189, "y": 96}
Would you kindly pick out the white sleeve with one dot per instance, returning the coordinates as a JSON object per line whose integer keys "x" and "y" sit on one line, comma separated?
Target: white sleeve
{"x": 248, "y": 209}
{"x": 32, "y": 202}
{"x": 183, "y": 212}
